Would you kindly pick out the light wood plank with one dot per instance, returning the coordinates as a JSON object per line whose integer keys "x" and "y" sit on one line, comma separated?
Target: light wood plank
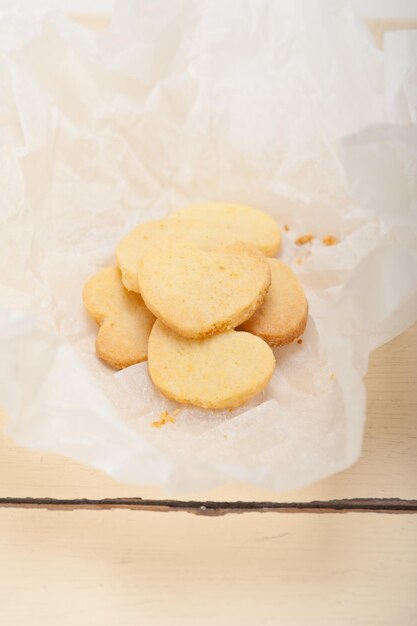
{"x": 124, "y": 567}
{"x": 378, "y": 28}
{"x": 387, "y": 468}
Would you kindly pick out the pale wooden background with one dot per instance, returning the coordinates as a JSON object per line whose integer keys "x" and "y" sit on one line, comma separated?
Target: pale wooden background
{"x": 116, "y": 566}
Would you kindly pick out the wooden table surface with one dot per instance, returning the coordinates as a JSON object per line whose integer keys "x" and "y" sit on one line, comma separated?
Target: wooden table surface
{"x": 77, "y": 547}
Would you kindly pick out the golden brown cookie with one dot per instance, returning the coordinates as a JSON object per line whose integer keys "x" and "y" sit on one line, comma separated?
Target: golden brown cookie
{"x": 247, "y": 224}
{"x": 283, "y": 315}
{"x": 130, "y": 249}
{"x": 198, "y": 286}
{"x": 222, "y": 371}
{"x": 124, "y": 320}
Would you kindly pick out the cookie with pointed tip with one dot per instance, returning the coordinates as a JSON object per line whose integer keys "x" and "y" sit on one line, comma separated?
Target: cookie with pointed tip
{"x": 201, "y": 287}
{"x": 124, "y": 320}
{"x": 247, "y": 224}
{"x": 222, "y": 371}
{"x": 283, "y": 315}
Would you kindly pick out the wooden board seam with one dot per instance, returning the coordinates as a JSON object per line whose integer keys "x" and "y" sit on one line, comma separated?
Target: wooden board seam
{"x": 352, "y": 505}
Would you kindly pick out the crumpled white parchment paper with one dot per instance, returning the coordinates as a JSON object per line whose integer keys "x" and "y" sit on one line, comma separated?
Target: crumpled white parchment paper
{"x": 285, "y": 106}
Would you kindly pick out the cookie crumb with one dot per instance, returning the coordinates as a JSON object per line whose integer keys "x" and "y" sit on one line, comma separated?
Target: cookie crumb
{"x": 165, "y": 418}
{"x": 299, "y": 341}
{"x": 225, "y": 436}
{"x": 329, "y": 240}
{"x": 286, "y": 228}
{"x": 303, "y": 239}
{"x": 332, "y": 376}
{"x": 299, "y": 261}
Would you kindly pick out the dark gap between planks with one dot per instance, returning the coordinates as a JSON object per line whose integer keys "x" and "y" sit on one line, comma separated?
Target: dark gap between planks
{"x": 211, "y": 508}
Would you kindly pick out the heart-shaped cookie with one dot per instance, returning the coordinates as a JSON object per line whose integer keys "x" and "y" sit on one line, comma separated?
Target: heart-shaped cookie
{"x": 125, "y": 322}
{"x": 247, "y": 224}
{"x": 132, "y": 247}
{"x": 202, "y": 288}
{"x": 283, "y": 314}
{"x": 222, "y": 371}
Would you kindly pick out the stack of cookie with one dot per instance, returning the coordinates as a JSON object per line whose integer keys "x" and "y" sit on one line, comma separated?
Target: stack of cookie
{"x": 198, "y": 296}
